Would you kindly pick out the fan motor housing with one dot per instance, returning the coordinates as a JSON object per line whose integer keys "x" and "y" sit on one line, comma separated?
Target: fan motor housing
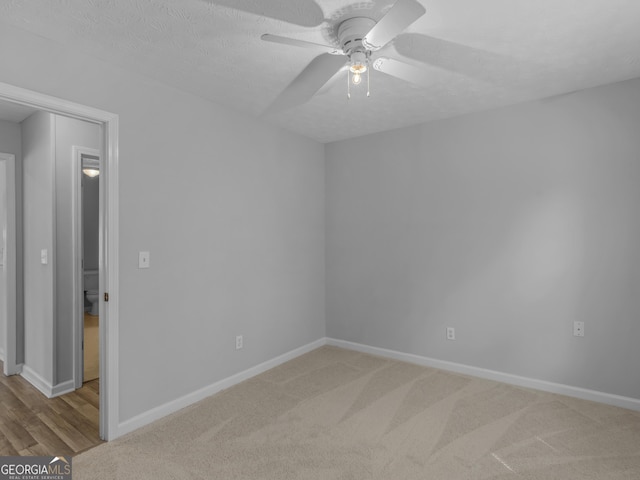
{"x": 352, "y": 31}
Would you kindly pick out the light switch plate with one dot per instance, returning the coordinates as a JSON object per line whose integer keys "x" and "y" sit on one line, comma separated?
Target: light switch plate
{"x": 144, "y": 259}
{"x": 44, "y": 256}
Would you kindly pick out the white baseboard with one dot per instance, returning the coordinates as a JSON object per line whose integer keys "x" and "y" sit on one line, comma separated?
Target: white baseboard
{"x": 170, "y": 407}
{"x": 568, "y": 390}
{"x": 36, "y": 380}
{"x": 191, "y": 398}
{"x": 45, "y": 387}
{"x": 62, "y": 388}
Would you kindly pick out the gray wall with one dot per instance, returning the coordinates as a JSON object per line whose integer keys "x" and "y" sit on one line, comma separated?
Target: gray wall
{"x": 11, "y": 142}
{"x": 39, "y": 206}
{"x": 507, "y": 225}
{"x": 231, "y": 209}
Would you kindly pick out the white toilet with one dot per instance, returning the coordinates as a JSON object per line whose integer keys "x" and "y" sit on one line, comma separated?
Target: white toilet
{"x": 91, "y": 289}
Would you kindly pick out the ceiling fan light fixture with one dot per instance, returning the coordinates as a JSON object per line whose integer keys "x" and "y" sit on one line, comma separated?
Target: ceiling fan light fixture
{"x": 354, "y": 76}
{"x": 91, "y": 172}
{"x": 358, "y": 66}
{"x": 358, "y": 62}
{"x": 90, "y": 165}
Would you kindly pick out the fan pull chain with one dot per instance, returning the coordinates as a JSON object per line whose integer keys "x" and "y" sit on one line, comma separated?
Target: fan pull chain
{"x": 368, "y": 93}
{"x": 349, "y": 84}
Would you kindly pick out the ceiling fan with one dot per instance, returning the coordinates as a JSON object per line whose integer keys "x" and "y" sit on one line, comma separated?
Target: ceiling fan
{"x": 359, "y": 38}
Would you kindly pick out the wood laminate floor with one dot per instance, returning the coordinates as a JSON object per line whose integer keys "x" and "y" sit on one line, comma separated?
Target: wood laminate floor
{"x": 91, "y": 347}
{"x": 32, "y": 424}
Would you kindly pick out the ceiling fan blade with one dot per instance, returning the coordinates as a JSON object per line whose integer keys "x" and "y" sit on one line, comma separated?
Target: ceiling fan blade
{"x": 267, "y": 37}
{"x": 402, "y": 14}
{"x": 469, "y": 61}
{"x": 310, "y": 80}
{"x": 306, "y": 13}
{"x": 402, "y": 70}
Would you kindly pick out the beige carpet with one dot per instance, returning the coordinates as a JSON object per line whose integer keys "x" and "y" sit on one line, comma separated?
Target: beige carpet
{"x": 337, "y": 414}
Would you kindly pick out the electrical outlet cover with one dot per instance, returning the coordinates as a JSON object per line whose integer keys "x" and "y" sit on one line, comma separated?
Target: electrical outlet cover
{"x": 451, "y": 333}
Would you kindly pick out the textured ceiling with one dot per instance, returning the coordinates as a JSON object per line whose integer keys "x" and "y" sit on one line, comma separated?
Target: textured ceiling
{"x": 478, "y": 54}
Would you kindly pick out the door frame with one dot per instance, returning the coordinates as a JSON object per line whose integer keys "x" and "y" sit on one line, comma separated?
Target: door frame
{"x": 108, "y": 243}
{"x": 9, "y": 268}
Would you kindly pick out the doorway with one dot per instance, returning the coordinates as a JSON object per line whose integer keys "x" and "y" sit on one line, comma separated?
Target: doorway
{"x": 86, "y": 164}
{"x": 108, "y": 239}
